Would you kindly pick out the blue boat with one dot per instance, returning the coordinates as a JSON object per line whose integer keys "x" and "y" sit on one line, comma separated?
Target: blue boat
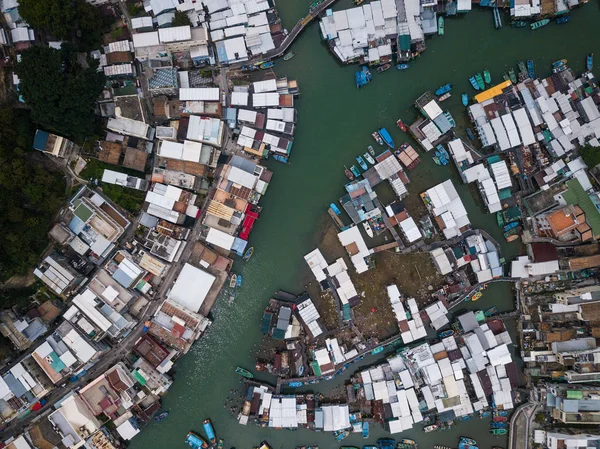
{"x": 195, "y": 441}
{"x": 341, "y": 434}
{"x": 485, "y": 414}
{"x": 386, "y": 443}
{"x": 385, "y": 135}
{"x": 510, "y": 226}
{"x": 498, "y": 425}
{"x": 355, "y": 171}
{"x": 335, "y": 209}
{"x": 295, "y": 384}
{"x": 238, "y": 281}
{"x": 161, "y": 416}
{"x": 402, "y": 66}
{"x": 365, "y": 429}
{"x": 267, "y": 65}
{"x": 444, "y": 89}
{"x": 362, "y": 163}
{"x": 446, "y": 333}
{"x": 362, "y": 77}
{"x": 280, "y": 158}
{"x": 377, "y": 350}
{"x": 465, "y": 99}
{"x": 441, "y": 154}
{"x": 209, "y": 431}
{"x": 474, "y": 83}
{"x": 589, "y": 62}
{"x": 470, "y": 134}
{"x": 531, "y": 69}
{"x": 563, "y": 19}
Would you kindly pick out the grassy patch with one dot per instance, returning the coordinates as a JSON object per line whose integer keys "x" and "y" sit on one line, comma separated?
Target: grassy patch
{"x": 94, "y": 169}
{"x": 129, "y": 199}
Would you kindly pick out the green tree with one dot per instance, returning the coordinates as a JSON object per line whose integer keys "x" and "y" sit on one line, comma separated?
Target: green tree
{"x": 60, "y": 93}
{"x": 180, "y": 19}
{"x": 590, "y": 155}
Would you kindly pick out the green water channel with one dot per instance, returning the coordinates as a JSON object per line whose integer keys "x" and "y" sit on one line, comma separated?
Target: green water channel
{"x": 335, "y": 122}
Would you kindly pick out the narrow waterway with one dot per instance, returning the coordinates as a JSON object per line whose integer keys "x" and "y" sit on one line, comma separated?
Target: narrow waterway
{"x": 334, "y": 125}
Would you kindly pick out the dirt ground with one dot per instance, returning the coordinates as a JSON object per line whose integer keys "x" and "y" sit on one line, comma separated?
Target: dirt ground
{"x": 414, "y": 274}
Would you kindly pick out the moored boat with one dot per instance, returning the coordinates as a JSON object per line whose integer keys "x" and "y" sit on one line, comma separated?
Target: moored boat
{"x": 539, "y": 24}
{"x": 244, "y": 372}
{"x": 497, "y": 17}
{"x": 335, "y": 209}
{"x": 431, "y": 428}
{"x": 476, "y": 296}
{"x": 384, "y": 67}
{"x": 442, "y": 154}
{"x": 522, "y": 67}
{"x": 238, "y": 281}
{"x": 467, "y": 440}
{"x": 470, "y": 134}
{"x": 445, "y": 96}
{"x": 195, "y": 441}
{"x": 362, "y": 77}
{"x": 348, "y": 173}
{"x": 385, "y": 135}
{"x": 378, "y": 349}
{"x": 368, "y": 228}
{"x": 161, "y": 416}
{"x": 233, "y": 281}
{"x": 340, "y": 434}
{"x": 402, "y": 66}
{"x": 209, "y": 431}
{"x": 440, "y": 26}
{"x": 369, "y": 158}
{"x": 563, "y": 19}
{"x": 499, "y": 419}
{"x": 589, "y": 62}
{"x": 487, "y": 77}
{"x": 401, "y": 125}
{"x": 295, "y": 384}
{"x": 446, "y": 333}
{"x": 289, "y": 56}
{"x": 355, "y": 171}
{"x": 371, "y": 150}
{"x": 445, "y": 88}
{"x": 480, "y": 81}
{"x": 474, "y": 83}
{"x": 509, "y": 226}
{"x": 267, "y": 65}
{"x": 512, "y": 232}
{"x": 559, "y": 63}
{"x": 365, "y": 429}
{"x": 512, "y": 75}
{"x": 377, "y": 138}
{"x": 500, "y": 218}
{"x": 386, "y": 443}
{"x": 248, "y": 254}
{"x": 498, "y": 431}
{"x": 248, "y": 68}
{"x": 531, "y": 69}
{"x": 465, "y": 99}
{"x": 518, "y": 24}
{"x": 220, "y": 444}
{"x": 491, "y": 311}
{"x": 362, "y": 163}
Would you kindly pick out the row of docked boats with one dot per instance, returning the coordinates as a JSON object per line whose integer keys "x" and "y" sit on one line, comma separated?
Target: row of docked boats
{"x": 441, "y": 156}
{"x": 195, "y": 441}
{"x": 353, "y": 172}
{"x": 363, "y": 76}
{"x": 388, "y": 443}
{"x": 478, "y": 81}
{"x": 258, "y": 65}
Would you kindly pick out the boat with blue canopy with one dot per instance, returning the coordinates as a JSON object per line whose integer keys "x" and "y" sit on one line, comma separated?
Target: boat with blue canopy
{"x": 385, "y": 135}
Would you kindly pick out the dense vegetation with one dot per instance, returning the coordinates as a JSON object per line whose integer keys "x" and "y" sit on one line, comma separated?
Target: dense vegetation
{"x": 180, "y": 19}
{"x": 59, "y": 91}
{"x": 69, "y": 20}
{"x": 590, "y": 155}
{"x": 30, "y": 195}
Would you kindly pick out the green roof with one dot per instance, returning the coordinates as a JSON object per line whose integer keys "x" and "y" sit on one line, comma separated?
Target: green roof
{"x": 141, "y": 379}
{"x": 574, "y": 394}
{"x": 83, "y": 212}
{"x": 316, "y": 368}
{"x": 575, "y": 195}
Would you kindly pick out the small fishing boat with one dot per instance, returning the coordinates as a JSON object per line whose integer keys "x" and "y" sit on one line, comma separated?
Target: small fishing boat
{"x": 383, "y": 68}
{"x": 440, "y": 26}
{"x": 355, "y": 171}
{"x": 209, "y": 431}
{"x": 499, "y": 419}
{"x": 491, "y": 311}
{"x": 348, "y": 173}
{"x": 368, "y": 228}
{"x": 513, "y": 231}
{"x": 512, "y": 75}
{"x": 267, "y": 65}
{"x": 238, "y": 282}
{"x": 233, "y": 281}
{"x": 505, "y": 76}
{"x": 386, "y": 443}
{"x": 295, "y": 384}
{"x": 335, "y": 209}
{"x": 385, "y": 135}
{"x": 480, "y": 81}
{"x": 467, "y": 440}
{"x": 248, "y": 254}
{"x": 401, "y": 125}
{"x": 161, "y": 416}
{"x": 470, "y": 134}
{"x": 378, "y": 349}
{"x": 539, "y": 24}
{"x": 497, "y": 18}
{"x": 485, "y": 414}
{"x": 407, "y": 442}
{"x": 377, "y": 138}
{"x": 476, "y": 296}
{"x": 559, "y": 63}
{"x": 371, "y": 150}
{"x": 362, "y": 163}
{"x": 431, "y": 428}
{"x": 509, "y": 226}
{"x": 562, "y": 20}
{"x": 465, "y": 99}
{"x": 500, "y": 218}
{"x": 289, "y": 56}
{"x": 487, "y": 77}
{"x": 445, "y": 96}
{"x": 531, "y": 69}
{"x": 281, "y": 158}
{"x": 518, "y": 24}
{"x": 445, "y": 88}
{"x": 340, "y": 434}
{"x": 402, "y": 66}
{"x": 436, "y": 160}
{"x": 446, "y": 333}
{"x": 362, "y": 77}
{"x": 195, "y": 441}
{"x": 589, "y": 62}
{"x": 498, "y": 425}
{"x": 220, "y": 444}
{"x": 501, "y": 413}
{"x": 369, "y": 158}
{"x": 512, "y": 238}
{"x": 474, "y": 83}
{"x": 365, "y": 429}
{"x": 522, "y": 67}
{"x": 442, "y": 154}
{"x": 248, "y": 68}
{"x": 244, "y": 373}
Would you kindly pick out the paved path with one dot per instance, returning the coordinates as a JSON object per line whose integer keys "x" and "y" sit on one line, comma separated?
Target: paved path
{"x": 520, "y": 421}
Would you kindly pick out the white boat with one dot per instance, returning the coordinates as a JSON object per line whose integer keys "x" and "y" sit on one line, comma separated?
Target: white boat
{"x": 368, "y": 229}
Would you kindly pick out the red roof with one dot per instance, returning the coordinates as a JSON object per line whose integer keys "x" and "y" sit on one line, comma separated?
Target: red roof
{"x": 178, "y": 330}
{"x": 248, "y": 223}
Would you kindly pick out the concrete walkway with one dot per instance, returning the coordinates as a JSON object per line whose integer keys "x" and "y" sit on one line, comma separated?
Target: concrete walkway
{"x": 520, "y": 422}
